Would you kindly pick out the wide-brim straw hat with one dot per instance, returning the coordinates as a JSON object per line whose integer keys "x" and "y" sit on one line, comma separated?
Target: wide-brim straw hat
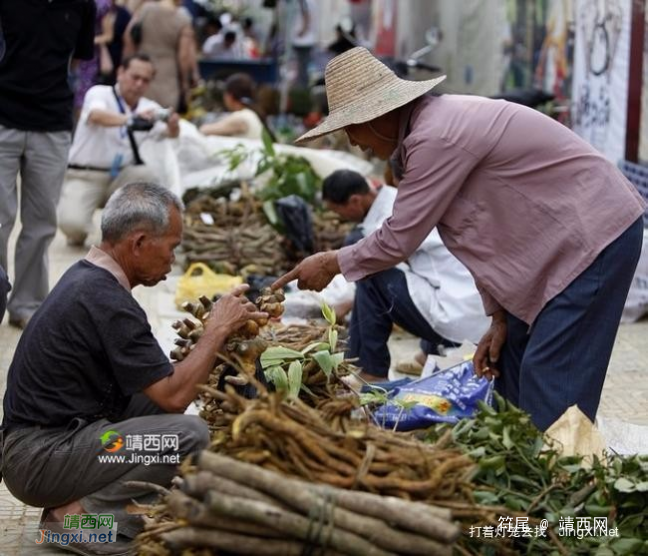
{"x": 361, "y": 88}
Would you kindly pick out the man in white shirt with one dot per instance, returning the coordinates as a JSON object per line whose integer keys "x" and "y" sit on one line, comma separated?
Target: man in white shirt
{"x": 114, "y": 123}
{"x": 432, "y": 295}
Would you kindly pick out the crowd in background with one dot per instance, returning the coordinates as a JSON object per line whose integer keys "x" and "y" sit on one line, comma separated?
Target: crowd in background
{"x": 85, "y": 118}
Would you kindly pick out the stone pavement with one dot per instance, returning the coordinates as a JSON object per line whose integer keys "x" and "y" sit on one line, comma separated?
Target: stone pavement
{"x": 625, "y": 395}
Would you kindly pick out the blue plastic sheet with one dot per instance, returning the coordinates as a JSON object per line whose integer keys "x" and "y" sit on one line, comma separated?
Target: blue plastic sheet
{"x": 446, "y": 396}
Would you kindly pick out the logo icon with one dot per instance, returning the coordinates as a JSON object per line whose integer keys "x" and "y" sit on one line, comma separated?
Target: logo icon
{"x": 112, "y": 441}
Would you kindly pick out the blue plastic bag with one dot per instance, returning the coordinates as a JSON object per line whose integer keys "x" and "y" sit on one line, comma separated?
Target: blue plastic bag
{"x": 447, "y": 396}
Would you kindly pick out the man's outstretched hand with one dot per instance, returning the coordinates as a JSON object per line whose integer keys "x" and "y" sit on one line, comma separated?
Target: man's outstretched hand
{"x": 313, "y": 273}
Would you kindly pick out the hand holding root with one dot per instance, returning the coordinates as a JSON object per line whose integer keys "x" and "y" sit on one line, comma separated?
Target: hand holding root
{"x": 489, "y": 348}
{"x": 233, "y": 311}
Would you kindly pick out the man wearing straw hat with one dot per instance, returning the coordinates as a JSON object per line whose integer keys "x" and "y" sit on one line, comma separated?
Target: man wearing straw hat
{"x": 549, "y": 228}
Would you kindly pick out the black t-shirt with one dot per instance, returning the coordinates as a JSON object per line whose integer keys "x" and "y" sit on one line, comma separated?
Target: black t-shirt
{"x": 40, "y": 38}
{"x": 85, "y": 352}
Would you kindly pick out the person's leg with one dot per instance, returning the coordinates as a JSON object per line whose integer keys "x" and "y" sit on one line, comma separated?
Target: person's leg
{"x": 131, "y": 174}
{"x": 83, "y": 192}
{"x": 42, "y": 170}
{"x": 184, "y": 435}
{"x": 571, "y": 342}
{"x": 52, "y": 468}
{"x": 382, "y": 300}
{"x": 303, "y": 54}
{"x": 11, "y": 149}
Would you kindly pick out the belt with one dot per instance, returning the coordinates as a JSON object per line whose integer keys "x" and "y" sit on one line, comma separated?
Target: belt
{"x": 90, "y": 168}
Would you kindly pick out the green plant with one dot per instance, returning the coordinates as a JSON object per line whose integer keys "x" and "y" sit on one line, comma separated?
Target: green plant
{"x": 284, "y": 367}
{"x": 287, "y": 174}
{"x": 519, "y": 469}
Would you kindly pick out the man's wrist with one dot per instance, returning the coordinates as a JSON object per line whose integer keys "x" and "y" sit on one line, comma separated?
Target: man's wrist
{"x": 499, "y": 316}
{"x": 332, "y": 264}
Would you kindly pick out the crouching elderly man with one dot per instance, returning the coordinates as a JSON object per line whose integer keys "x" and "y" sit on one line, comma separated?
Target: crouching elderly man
{"x": 105, "y": 154}
{"x": 88, "y": 374}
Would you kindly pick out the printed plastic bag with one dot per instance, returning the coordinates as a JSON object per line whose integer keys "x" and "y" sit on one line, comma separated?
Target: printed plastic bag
{"x": 202, "y": 280}
{"x": 446, "y": 396}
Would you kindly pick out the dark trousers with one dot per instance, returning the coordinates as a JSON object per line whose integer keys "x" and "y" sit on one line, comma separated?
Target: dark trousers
{"x": 50, "y": 467}
{"x": 563, "y": 359}
{"x": 380, "y": 301}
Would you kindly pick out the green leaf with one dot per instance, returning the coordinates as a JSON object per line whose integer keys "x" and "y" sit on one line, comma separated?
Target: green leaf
{"x": 267, "y": 142}
{"x": 294, "y": 379}
{"x": 315, "y": 345}
{"x": 333, "y": 337}
{"x": 374, "y": 397}
{"x": 271, "y": 213}
{"x": 325, "y": 361}
{"x": 337, "y": 359}
{"x": 596, "y": 510}
{"x": 642, "y": 486}
{"x": 276, "y": 355}
{"x": 624, "y": 485}
{"x": 626, "y": 546}
{"x": 329, "y": 314}
{"x": 277, "y": 376}
{"x": 506, "y": 439}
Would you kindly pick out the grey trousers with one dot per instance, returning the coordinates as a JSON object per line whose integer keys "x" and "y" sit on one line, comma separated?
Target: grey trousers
{"x": 40, "y": 158}
{"x": 46, "y": 467}
{"x": 84, "y": 191}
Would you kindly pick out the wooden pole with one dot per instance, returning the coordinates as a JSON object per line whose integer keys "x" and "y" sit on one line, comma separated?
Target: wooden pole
{"x": 635, "y": 80}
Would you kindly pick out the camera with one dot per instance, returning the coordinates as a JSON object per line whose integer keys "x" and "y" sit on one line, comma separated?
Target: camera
{"x": 162, "y": 114}
{"x": 139, "y": 123}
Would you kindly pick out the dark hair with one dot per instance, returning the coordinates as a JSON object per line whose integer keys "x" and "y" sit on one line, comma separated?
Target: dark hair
{"x": 141, "y": 56}
{"x": 230, "y": 37}
{"x": 341, "y": 184}
{"x": 243, "y": 88}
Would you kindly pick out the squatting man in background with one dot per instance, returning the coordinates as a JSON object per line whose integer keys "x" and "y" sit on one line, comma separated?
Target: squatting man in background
{"x": 88, "y": 363}
{"x": 431, "y": 295}
{"x": 114, "y": 123}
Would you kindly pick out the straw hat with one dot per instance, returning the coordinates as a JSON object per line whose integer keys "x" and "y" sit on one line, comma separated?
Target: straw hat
{"x": 360, "y": 88}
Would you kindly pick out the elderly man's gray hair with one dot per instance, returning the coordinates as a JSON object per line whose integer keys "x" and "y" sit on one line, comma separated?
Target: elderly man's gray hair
{"x": 137, "y": 206}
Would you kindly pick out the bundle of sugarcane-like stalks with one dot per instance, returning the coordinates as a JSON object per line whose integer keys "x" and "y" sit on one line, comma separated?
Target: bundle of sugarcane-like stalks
{"x": 235, "y": 237}
{"x": 232, "y": 245}
{"x": 228, "y": 506}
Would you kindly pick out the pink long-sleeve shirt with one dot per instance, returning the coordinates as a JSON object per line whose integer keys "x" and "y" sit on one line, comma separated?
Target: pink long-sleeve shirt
{"x": 525, "y": 204}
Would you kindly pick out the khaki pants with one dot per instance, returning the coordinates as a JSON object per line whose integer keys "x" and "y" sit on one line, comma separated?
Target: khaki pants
{"x": 84, "y": 191}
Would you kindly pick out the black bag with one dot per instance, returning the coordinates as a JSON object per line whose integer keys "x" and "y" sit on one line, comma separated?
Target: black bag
{"x": 295, "y": 215}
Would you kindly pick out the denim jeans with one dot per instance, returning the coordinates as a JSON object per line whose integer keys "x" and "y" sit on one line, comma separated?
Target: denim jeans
{"x": 562, "y": 360}
{"x": 380, "y": 301}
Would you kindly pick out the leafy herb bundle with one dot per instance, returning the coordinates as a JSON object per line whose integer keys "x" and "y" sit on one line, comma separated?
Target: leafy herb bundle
{"x": 519, "y": 472}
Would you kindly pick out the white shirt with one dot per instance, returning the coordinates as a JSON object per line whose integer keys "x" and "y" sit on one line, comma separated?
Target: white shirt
{"x": 441, "y": 288}
{"x": 100, "y": 146}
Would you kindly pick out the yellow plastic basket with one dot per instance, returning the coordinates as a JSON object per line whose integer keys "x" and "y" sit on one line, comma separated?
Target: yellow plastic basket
{"x": 199, "y": 280}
